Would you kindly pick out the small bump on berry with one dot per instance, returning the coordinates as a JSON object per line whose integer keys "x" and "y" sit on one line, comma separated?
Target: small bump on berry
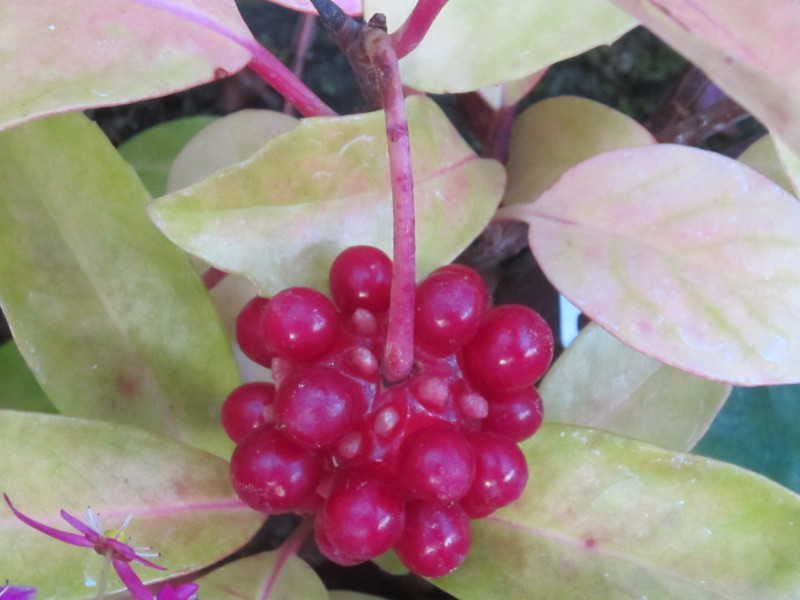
{"x": 386, "y": 420}
{"x": 433, "y": 392}
{"x": 364, "y": 322}
{"x": 473, "y": 406}
{"x": 364, "y": 361}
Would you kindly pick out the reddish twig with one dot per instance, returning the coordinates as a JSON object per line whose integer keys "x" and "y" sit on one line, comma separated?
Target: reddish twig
{"x": 280, "y": 77}
{"x": 398, "y": 359}
{"x": 410, "y": 33}
{"x": 304, "y": 37}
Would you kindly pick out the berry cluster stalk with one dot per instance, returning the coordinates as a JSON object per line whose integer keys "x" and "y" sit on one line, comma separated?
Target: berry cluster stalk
{"x": 398, "y": 359}
{"x": 410, "y": 33}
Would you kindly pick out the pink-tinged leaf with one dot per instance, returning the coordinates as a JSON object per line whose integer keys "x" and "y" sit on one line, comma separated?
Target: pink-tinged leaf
{"x": 683, "y": 254}
{"x": 555, "y": 134}
{"x": 60, "y": 55}
{"x": 749, "y": 49}
{"x": 602, "y": 383}
{"x": 107, "y": 312}
{"x": 609, "y": 518}
{"x": 282, "y": 216}
{"x": 249, "y": 578}
{"x": 351, "y": 7}
{"x": 474, "y": 44}
{"x": 180, "y": 499}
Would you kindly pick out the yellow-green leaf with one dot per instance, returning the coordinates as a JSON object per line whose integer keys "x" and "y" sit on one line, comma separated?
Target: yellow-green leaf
{"x": 109, "y": 315}
{"x": 609, "y": 518}
{"x": 474, "y": 43}
{"x": 602, "y": 383}
{"x": 282, "y": 216}
{"x": 180, "y": 499}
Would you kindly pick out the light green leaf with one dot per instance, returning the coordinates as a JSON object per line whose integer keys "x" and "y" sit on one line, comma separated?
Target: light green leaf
{"x": 790, "y": 160}
{"x": 555, "y": 134}
{"x": 345, "y": 595}
{"x": 762, "y": 156}
{"x": 282, "y": 216}
{"x": 748, "y": 49}
{"x": 152, "y": 152}
{"x": 229, "y": 140}
{"x": 109, "y": 315}
{"x": 610, "y": 518}
{"x": 180, "y": 498}
{"x": 19, "y": 389}
{"x": 249, "y": 579}
{"x": 474, "y": 44}
{"x": 60, "y": 55}
{"x": 685, "y": 255}
{"x": 602, "y": 383}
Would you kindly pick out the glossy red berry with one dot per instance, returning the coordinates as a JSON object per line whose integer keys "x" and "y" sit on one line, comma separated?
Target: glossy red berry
{"x": 249, "y": 334}
{"x": 450, "y": 304}
{"x": 316, "y": 406}
{"x": 517, "y": 414}
{"x": 272, "y": 474}
{"x": 436, "y": 538}
{"x": 511, "y": 350}
{"x": 361, "y": 277}
{"x": 436, "y": 463}
{"x": 362, "y": 517}
{"x": 246, "y": 408}
{"x": 501, "y": 473}
{"x": 300, "y": 324}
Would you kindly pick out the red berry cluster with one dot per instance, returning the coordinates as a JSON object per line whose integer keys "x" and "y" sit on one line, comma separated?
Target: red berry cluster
{"x": 380, "y": 465}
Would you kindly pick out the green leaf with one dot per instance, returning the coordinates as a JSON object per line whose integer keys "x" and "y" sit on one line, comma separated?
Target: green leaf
{"x": 685, "y": 255}
{"x": 345, "y": 595}
{"x": 555, "y": 134}
{"x": 109, "y": 315}
{"x": 180, "y": 498}
{"x": 602, "y": 383}
{"x": 152, "y": 152}
{"x": 19, "y": 389}
{"x": 747, "y": 48}
{"x": 229, "y": 140}
{"x": 249, "y": 579}
{"x": 605, "y": 517}
{"x": 474, "y": 44}
{"x": 757, "y": 429}
{"x": 762, "y": 156}
{"x": 282, "y": 216}
{"x": 66, "y": 54}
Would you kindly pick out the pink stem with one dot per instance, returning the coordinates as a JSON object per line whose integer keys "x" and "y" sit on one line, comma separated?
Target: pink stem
{"x": 288, "y": 549}
{"x": 416, "y": 26}
{"x": 398, "y": 359}
{"x": 280, "y": 77}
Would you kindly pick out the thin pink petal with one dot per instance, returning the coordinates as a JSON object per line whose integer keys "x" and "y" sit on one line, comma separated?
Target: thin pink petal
{"x": 64, "y": 536}
{"x": 185, "y": 591}
{"x": 87, "y": 531}
{"x": 125, "y": 553}
{"x": 131, "y": 580}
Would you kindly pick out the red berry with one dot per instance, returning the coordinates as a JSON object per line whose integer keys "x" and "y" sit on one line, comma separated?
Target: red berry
{"x": 436, "y": 538}
{"x": 316, "y": 406}
{"x": 517, "y": 414}
{"x": 450, "y": 304}
{"x": 436, "y": 463}
{"x": 246, "y": 408}
{"x": 361, "y": 277}
{"x": 249, "y": 334}
{"x": 273, "y": 474}
{"x": 362, "y": 518}
{"x": 501, "y": 473}
{"x": 511, "y": 350}
{"x": 300, "y": 324}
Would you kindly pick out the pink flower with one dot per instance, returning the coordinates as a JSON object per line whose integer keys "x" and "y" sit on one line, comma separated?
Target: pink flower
{"x": 185, "y": 591}
{"x": 120, "y": 554}
{"x": 18, "y": 592}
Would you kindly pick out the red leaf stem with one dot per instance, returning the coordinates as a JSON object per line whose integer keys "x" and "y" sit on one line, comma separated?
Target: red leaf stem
{"x": 398, "y": 359}
{"x": 410, "y": 33}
